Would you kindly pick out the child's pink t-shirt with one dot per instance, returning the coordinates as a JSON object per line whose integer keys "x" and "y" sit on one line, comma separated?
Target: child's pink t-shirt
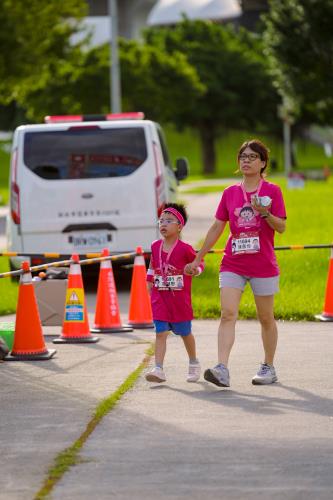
{"x": 172, "y": 305}
{"x": 244, "y": 222}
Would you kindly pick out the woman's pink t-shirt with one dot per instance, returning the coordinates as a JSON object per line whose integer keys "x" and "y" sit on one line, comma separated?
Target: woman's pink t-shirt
{"x": 172, "y": 305}
{"x": 245, "y": 220}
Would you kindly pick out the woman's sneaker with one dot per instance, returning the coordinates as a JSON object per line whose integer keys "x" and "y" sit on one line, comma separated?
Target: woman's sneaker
{"x": 266, "y": 375}
{"x": 156, "y": 374}
{"x": 194, "y": 371}
{"x": 219, "y": 375}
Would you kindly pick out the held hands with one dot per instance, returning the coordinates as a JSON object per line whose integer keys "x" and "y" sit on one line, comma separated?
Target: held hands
{"x": 191, "y": 269}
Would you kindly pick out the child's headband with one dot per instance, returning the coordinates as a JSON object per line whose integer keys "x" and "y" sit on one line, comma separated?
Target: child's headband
{"x": 175, "y": 212}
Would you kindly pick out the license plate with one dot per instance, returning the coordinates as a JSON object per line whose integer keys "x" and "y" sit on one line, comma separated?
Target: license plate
{"x": 92, "y": 239}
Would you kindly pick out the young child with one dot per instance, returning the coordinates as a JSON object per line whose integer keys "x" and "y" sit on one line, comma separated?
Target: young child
{"x": 170, "y": 289}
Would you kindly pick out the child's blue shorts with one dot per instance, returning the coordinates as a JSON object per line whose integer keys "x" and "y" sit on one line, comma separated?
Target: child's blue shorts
{"x": 182, "y": 328}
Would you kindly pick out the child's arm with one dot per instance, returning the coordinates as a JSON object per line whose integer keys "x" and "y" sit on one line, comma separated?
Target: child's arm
{"x": 150, "y": 276}
{"x": 190, "y": 271}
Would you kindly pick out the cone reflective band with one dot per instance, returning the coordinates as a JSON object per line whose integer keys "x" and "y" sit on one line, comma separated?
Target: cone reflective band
{"x": 107, "y": 316}
{"x": 75, "y": 328}
{"x": 140, "y": 313}
{"x": 28, "y": 342}
{"x": 327, "y": 314}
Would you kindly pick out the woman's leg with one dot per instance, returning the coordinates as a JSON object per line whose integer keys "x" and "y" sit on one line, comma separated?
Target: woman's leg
{"x": 160, "y": 347}
{"x": 269, "y": 333}
{"x": 230, "y": 299}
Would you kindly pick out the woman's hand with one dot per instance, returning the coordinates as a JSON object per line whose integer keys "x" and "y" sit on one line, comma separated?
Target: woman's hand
{"x": 258, "y": 207}
{"x": 191, "y": 269}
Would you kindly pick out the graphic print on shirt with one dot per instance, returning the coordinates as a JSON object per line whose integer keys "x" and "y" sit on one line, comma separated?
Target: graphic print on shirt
{"x": 246, "y": 216}
{"x": 246, "y": 241}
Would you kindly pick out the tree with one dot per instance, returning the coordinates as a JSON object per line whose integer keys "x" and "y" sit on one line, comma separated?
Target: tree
{"x": 35, "y": 38}
{"x": 230, "y": 66}
{"x": 299, "y": 44}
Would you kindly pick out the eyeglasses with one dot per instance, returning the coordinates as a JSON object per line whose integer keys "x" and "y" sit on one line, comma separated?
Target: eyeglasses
{"x": 251, "y": 156}
{"x": 166, "y": 221}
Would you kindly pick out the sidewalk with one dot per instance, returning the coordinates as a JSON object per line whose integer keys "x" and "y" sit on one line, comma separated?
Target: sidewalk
{"x": 176, "y": 440}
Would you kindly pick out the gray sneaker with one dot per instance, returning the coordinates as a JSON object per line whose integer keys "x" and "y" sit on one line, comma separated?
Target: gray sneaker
{"x": 219, "y": 375}
{"x": 266, "y": 375}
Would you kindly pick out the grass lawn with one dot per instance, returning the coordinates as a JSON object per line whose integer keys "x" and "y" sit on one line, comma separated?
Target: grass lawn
{"x": 4, "y": 172}
{"x": 303, "y": 272}
{"x": 186, "y": 143}
{"x": 8, "y": 290}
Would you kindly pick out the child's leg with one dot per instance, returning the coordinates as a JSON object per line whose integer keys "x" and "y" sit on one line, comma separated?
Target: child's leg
{"x": 194, "y": 368}
{"x": 160, "y": 348}
{"x": 189, "y": 342}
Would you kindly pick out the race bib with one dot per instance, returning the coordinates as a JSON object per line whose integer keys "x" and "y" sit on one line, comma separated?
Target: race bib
{"x": 174, "y": 282}
{"x": 245, "y": 243}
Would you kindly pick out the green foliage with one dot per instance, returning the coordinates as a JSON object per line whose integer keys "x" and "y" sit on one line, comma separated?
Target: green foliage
{"x": 35, "y": 43}
{"x": 303, "y": 272}
{"x": 231, "y": 67}
{"x": 233, "y": 73}
{"x": 156, "y": 82}
{"x": 299, "y": 44}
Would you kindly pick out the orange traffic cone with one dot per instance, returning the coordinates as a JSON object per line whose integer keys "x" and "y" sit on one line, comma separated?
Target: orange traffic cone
{"x": 107, "y": 316}
{"x": 75, "y": 328}
{"x": 140, "y": 314}
{"x": 327, "y": 314}
{"x": 29, "y": 342}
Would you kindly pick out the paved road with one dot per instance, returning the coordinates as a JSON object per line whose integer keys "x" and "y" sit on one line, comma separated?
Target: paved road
{"x": 177, "y": 440}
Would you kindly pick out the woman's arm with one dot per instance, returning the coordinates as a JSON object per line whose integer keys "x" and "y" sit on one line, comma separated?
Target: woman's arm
{"x": 275, "y": 222}
{"x": 213, "y": 234}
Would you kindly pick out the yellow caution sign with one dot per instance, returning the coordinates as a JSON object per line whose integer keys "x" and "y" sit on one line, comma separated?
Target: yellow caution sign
{"x": 74, "y": 305}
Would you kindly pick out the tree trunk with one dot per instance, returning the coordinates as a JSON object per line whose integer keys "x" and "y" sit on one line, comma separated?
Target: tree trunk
{"x": 208, "y": 153}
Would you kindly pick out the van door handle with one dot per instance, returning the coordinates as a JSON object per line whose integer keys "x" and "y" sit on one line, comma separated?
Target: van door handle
{"x": 86, "y": 196}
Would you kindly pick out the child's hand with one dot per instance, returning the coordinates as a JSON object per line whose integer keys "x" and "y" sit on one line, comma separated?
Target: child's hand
{"x": 191, "y": 270}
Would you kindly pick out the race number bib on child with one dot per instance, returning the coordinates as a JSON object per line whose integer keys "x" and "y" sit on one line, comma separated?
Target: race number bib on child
{"x": 174, "y": 282}
{"x": 245, "y": 243}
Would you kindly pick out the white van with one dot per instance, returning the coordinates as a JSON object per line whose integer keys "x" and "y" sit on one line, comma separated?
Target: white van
{"x": 80, "y": 184}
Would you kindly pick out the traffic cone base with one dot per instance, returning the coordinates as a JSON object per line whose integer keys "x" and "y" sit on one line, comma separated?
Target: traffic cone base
{"x": 31, "y": 356}
{"x": 116, "y": 329}
{"x": 141, "y": 325}
{"x": 76, "y": 340}
{"x": 324, "y": 317}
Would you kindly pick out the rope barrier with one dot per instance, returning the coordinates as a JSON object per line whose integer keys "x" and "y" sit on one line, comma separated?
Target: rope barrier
{"x": 96, "y": 255}
{"x": 68, "y": 262}
{"x": 93, "y": 258}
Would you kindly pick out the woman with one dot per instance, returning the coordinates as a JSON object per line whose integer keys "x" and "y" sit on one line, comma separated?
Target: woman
{"x": 254, "y": 209}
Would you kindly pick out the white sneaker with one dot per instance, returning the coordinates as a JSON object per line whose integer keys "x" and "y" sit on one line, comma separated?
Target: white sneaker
{"x": 194, "y": 371}
{"x": 156, "y": 374}
{"x": 266, "y": 375}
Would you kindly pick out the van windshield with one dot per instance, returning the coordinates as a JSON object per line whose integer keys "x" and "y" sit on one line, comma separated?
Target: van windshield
{"x": 85, "y": 152}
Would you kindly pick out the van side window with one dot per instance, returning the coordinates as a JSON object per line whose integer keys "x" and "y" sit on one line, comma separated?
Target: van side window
{"x": 165, "y": 153}
{"x": 85, "y": 152}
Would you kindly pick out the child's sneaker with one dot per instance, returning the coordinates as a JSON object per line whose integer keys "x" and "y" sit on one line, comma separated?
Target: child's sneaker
{"x": 266, "y": 375}
{"x": 219, "y": 375}
{"x": 194, "y": 371}
{"x": 156, "y": 374}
